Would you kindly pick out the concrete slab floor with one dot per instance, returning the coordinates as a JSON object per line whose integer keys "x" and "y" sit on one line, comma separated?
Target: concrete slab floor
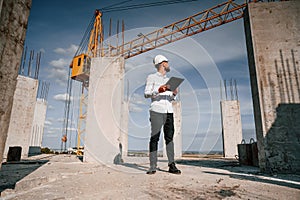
{"x": 66, "y": 177}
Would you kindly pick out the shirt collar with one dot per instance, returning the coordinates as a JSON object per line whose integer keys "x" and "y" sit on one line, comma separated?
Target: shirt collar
{"x": 160, "y": 74}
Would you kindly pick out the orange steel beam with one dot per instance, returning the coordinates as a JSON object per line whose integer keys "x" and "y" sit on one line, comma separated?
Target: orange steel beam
{"x": 96, "y": 36}
{"x": 202, "y": 21}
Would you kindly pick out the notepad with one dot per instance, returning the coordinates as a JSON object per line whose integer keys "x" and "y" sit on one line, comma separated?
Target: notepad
{"x": 174, "y": 82}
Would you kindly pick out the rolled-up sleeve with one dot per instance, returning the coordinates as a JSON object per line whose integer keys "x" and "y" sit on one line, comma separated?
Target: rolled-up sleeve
{"x": 150, "y": 87}
{"x": 160, "y": 102}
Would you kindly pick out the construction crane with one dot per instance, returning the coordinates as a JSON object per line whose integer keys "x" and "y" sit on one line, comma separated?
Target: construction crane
{"x": 80, "y": 66}
{"x": 94, "y": 47}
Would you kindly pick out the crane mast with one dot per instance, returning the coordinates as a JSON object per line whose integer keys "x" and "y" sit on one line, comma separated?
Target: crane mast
{"x": 96, "y": 36}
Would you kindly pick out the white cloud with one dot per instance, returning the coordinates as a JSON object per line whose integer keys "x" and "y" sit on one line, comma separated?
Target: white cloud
{"x": 42, "y": 50}
{"x": 60, "y": 67}
{"x": 62, "y": 97}
{"x": 47, "y": 122}
{"x": 68, "y": 51}
{"x": 135, "y": 108}
{"x": 60, "y": 51}
{"x": 52, "y": 132}
{"x": 71, "y": 129}
{"x": 54, "y": 129}
{"x": 60, "y": 120}
{"x": 51, "y": 135}
{"x": 59, "y": 71}
{"x": 69, "y": 121}
{"x": 138, "y": 99}
{"x": 50, "y": 107}
{"x": 137, "y": 103}
{"x": 50, "y": 119}
{"x": 60, "y": 63}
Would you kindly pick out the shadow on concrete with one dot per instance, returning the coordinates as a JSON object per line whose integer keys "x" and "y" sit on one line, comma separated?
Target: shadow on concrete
{"x": 135, "y": 166}
{"x": 261, "y": 179}
{"x": 282, "y": 141}
{"x": 206, "y": 162}
{"x": 238, "y": 171}
{"x": 80, "y": 158}
{"x": 12, "y": 172}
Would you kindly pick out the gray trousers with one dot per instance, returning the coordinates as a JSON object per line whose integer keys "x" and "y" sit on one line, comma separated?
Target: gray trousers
{"x": 159, "y": 120}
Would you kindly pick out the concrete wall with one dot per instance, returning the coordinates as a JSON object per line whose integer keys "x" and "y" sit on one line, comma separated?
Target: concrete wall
{"x": 231, "y": 127}
{"x": 1, "y": 2}
{"x": 19, "y": 131}
{"x": 107, "y": 114}
{"x": 273, "y": 43}
{"x": 178, "y": 131}
{"x": 13, "y": 23}
{"x": 39, "y": 117}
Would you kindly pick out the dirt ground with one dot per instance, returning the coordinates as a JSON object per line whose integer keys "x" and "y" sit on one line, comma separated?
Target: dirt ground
{"x": 56, "y": 177}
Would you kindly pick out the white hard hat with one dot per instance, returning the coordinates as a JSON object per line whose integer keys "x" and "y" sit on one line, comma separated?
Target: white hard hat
{"x": 159, "y": 59}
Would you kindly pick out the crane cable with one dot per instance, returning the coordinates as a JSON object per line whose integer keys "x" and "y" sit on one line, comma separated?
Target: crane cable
{"x": 85, "y": 39}
{"x": 111, "y": 8}
{"x": 116, "y": 7}
{"x": 107, "y": 7}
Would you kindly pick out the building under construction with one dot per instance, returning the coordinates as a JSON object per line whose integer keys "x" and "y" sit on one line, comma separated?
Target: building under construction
{"x": 272, "y": 37}
{"x": 274, "y": 75}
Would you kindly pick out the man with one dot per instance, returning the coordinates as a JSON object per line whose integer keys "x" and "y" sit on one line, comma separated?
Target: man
{"x": 161, "y": 113}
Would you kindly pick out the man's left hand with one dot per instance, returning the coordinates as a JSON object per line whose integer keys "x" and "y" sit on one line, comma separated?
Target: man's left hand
{"x": 175, "y": 92}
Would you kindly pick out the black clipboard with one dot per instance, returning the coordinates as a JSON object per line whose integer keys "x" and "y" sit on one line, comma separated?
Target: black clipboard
{"x": 174, "y": 82}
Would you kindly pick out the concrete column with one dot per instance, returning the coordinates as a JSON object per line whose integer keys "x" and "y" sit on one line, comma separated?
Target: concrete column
{"x": 106, "y": 132}
{"x": 20, "y": 126}
{"x": 178, "y": 131}
{"x": 231, "y": 127}
{"x": 272, "y": 32}
{"x": 124, "y": 128}
{"x": 1, "y": 2}
{"x": 13, "y": 23}
{"x": 37, "y": 129}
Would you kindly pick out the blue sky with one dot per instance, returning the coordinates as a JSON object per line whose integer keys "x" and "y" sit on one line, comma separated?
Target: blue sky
{"x": 56, "y": 28}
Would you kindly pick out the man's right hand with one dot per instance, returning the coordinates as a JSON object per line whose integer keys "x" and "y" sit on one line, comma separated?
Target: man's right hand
{"x": 163, "y": 88}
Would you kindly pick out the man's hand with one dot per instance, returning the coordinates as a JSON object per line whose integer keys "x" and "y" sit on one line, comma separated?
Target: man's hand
{"x": 175, "y": 92}
{"x": 163, "y": 88}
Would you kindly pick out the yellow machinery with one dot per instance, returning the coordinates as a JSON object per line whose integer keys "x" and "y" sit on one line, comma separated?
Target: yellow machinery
{"x": 81, "y": 62}
{"x": 80, "y": 67}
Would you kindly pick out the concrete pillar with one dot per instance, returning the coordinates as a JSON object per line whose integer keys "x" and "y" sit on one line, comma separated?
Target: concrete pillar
{"x": 19, "y": 131}
{"x": 107, "y": 114}
{"x": 272, "y": 33}
{"x": 124, "y": 128}
{"x": 231, "y": 127}
{"x": 13, "y": 23}
{"x": 1, "y": 2}
{"x": 178, "y": 131}
{"x": 39, "y": 117}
